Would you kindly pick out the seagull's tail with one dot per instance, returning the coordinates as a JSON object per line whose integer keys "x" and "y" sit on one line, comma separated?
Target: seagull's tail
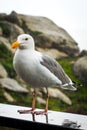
{"x": 69, "y": 87}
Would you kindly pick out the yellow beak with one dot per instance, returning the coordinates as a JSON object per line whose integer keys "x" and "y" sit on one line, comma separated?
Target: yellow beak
{"x": 15, "y": 44}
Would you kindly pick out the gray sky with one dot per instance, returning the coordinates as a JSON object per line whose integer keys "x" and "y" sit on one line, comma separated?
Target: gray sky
{"x": 68, "y": 14}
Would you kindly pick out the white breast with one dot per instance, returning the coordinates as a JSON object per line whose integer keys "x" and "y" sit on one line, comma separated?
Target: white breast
{"x": 28, "y": 67}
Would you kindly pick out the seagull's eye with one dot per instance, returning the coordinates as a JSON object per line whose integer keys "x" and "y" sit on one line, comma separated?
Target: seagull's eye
{"x": 26, "y": 39}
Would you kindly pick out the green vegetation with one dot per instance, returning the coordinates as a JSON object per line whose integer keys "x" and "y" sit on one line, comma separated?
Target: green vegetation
{"x": 6, "y": 60}
{"x": 5, "y": 28}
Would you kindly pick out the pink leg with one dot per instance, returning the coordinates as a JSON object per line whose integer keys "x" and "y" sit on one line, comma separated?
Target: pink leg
{"x": 33, "y": 105}
{"x": 45, "y": 112}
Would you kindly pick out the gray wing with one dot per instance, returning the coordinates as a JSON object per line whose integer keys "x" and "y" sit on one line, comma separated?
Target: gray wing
{"x": 55, "y": 68}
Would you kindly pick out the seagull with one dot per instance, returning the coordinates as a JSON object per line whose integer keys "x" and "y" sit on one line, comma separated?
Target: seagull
{"x": 38, "y": 70}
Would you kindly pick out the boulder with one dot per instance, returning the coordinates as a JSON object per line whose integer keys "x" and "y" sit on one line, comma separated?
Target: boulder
{"x": 46, "y": 33}
{"x": 12, "y": 85}
{"x": 80, "y": 68}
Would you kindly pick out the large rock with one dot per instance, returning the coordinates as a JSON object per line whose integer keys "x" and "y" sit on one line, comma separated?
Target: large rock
{"x": 80, "y": 68}
{"x": 12, "y": 85}
{"x": 46, "y": 33}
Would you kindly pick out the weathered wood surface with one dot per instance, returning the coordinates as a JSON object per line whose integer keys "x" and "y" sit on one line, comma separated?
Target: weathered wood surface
{"x": 10, "y": 117}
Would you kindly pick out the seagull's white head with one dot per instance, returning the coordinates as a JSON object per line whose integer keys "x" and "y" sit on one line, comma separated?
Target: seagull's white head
{"x": 24, "y": 41}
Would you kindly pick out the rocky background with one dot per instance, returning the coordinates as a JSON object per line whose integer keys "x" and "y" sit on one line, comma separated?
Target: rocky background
{"x": 52, "y": 40}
